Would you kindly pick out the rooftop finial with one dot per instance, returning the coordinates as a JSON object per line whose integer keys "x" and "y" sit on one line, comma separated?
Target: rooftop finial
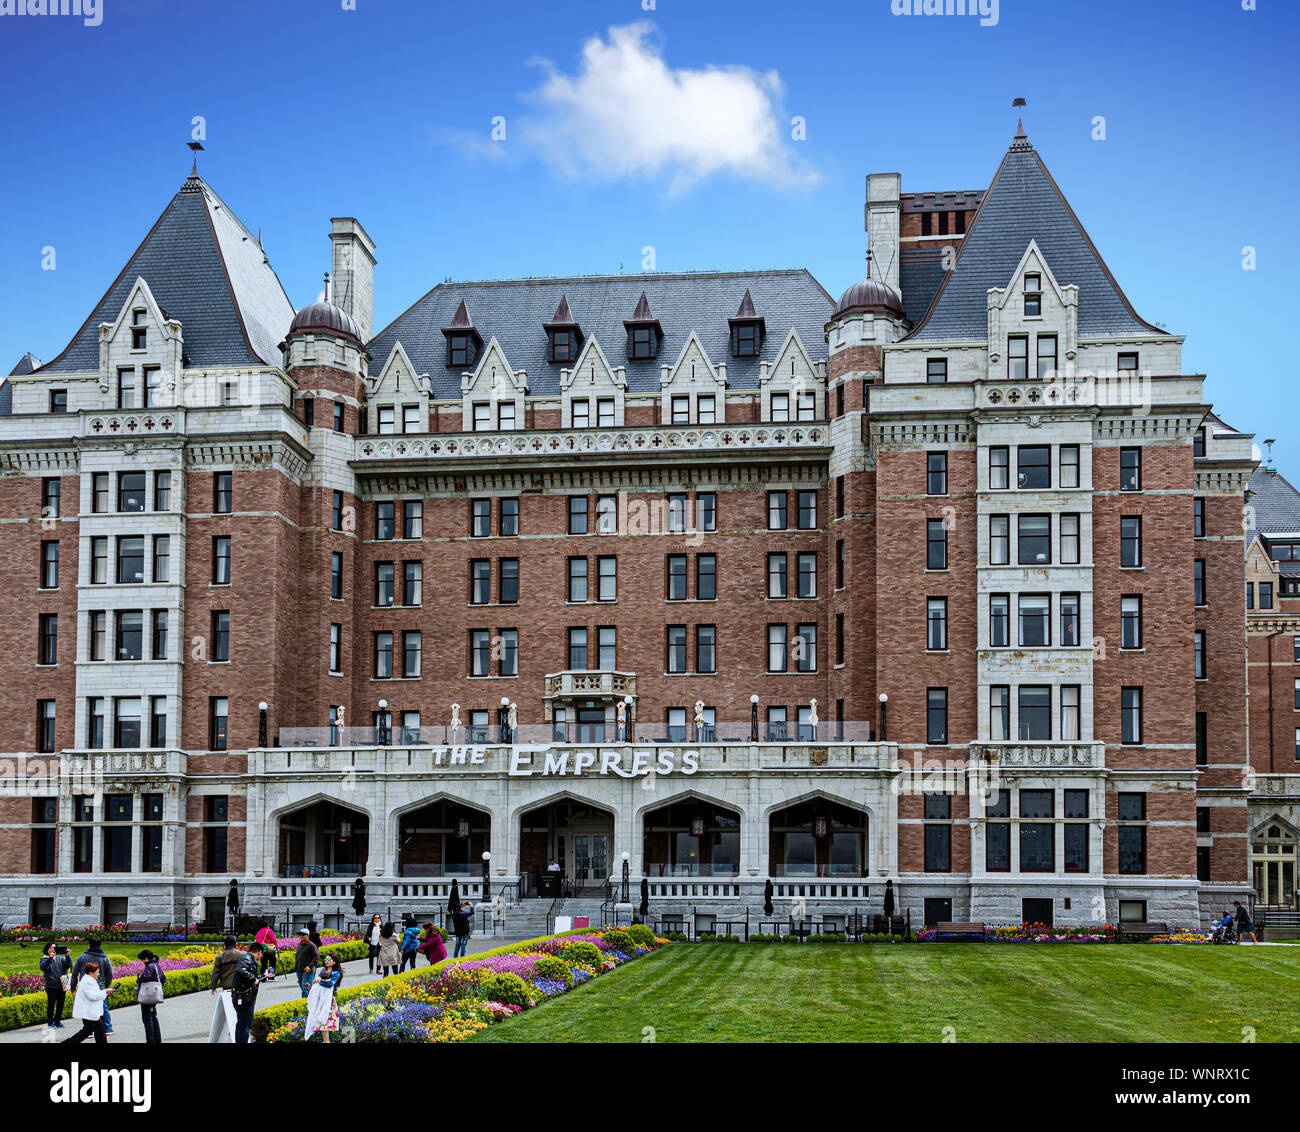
{"x": 327, "y": 286}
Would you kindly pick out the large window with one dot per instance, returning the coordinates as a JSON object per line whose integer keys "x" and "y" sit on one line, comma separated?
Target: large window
{"x": 130, "y": 558}
{"x": 1034, "y": 467}
{"x": 1037, "y": 840}
{"x": 1132, "y": 814}
{"x": 938, "y": 833}
{"x": 1035, "y": 539}
{"x": 1035, "y": 613}
{"x": 1035, "y": 712}
{"x": 130, "y": 634}
{"x": 997, "y": 833}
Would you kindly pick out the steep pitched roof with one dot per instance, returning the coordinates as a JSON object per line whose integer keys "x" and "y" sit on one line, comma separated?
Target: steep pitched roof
{"x": 6, "y": 398}
{"x": 28, "y": 363}
{"x": 209, "y": 272}
{"x": 1276, "y": 504}
{"x": 515, "y": 311}
{"x": 1024, "y": 203}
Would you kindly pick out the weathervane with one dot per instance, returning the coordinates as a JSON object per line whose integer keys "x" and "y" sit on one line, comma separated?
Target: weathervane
{"x": 1015, "y": 102}
{"x": 195, "y": 147}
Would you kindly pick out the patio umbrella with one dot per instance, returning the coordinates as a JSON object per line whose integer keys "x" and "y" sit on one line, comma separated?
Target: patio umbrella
{"x": 232, "y": 897}
{"x": 453, "y": 901}
{"x": 889, "y": 898}
{"x": 767, "y": 898}
{"x": 645, "y": 898}
{"x": 359, "y": 896}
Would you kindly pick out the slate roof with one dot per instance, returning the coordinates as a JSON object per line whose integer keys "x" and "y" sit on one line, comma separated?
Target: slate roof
{"x": 1024, "y": 203}
{"x": 28, "y": 363}
{"x": 207, "y": 270}
{"x": 1276, "y": 504}
{"x": 514, "y": 311}
{"x": 6, "y": 398}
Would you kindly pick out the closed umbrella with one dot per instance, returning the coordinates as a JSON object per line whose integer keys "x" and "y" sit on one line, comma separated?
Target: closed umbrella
{"x": 889, "y": 898}
{"x": 767, "y": 898}
{"x": 232, "y": 897}
{"x": 359, "y": 897}
{"x": 453, "y": 901}
{"x": 645, "y": 898}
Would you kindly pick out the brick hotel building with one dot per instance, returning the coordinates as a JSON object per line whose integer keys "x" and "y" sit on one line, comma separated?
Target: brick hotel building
{"x": 713, "y": 574}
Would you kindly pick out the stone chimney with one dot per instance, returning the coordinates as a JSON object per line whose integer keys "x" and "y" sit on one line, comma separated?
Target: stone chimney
{"x": 883, "y": 209}
{"x": 354, "y": 272}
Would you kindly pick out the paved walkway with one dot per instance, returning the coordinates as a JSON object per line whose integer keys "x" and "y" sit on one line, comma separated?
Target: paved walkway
{"x": 188, "y": 1017}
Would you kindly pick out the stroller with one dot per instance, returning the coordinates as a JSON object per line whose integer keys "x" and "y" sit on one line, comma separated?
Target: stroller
{"x": 1225, "y": 930}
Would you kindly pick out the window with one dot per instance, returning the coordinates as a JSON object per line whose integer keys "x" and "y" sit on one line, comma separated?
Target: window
{"x": 412, "y": 518}
{"x": 1035, "y": 712}
{"x": 139, "y": 330}
{"x": 509, "y": 521}
{"x": 706, "y": 648}
{"x": 1202, "y": 739}
{"x": 219, "y": 720}
{"x": 607, "y": 579}
{"x": 99, "y": 560}
{"x": 1130, "y": 469}
{"x": 480, "y": 581}
{"x": 126, "y": 722}
{"x": 680, "y": 407}
{"x": 999, "y": 713}
{"x": 1034, "y": 534}
{"x": 580, "y": 411}
{"x": 1130, "y": 705}
{"x": 1033, "y": 295}
{"x": 99, "y": 492}
{"x": 676, "y": 577}
{"x": 1266, "y": 595}
{"x": 1046, "y": 356}
{"x": 411, "y": 419}
{"x": 336, "y": 511}
{"x": 1017, "y": 357}
{"x": 480, "y": 652}
{"x": 806, "y": 648}
{"x": 47, "y": 638}
{"x": 1132, "y": 808}
{"x": 563, "y": 345}
{"x": 1127, "y": 363}
{"x": 745, "y": 338}
{"x": 776, "y": 648}
{"x": 338, "y": 416}
{"x": 220, "y": 560}
{"x": 1130, "y": 621}
{"x": 481, "y": 420}
{"x": 1076, "y": 831}
{"x": 336, "y": 574}
{"x": 1035, "y": 612}
{"x": 641, "y": 343}
{"x": 507, "y": 581}
{"x": 1198, "y": 442}
{"x": 1198, "y": 581}
{"x": 776, "y": 511}
{"x": 58, "y": 400}
{"x": 839, "y": 643}
{"x": 1250, "y": 595}
{"x": 161, "y": 558}
{"x": 938, "y": 837}
{"x": 677, "y": 512}
{"x": 780, "y": 407}
{"x": 1069, "y": 620}
{"x": 706, "y": 409}
{"x": 607, "y": 647}
{"x": 936, "y": 715}
{"x": 95, "y": 723}
{"x": 936, "y": 623}
{"x": 1068, "y": 460}
{"x": 130, "y": 491}
{"x": 45, "y": 726}
{"x": 51, "y": 490}
{"x": 577, "y": 514}
{"x": 676, "y": 720}
{"x": 130, "y": 559}
{"x": 999, "y": 465}
{"x": 706, "y": 577}
{"x": 1130, "y": 541}
{"x": 1070, "y": 539}
{"x": 509, "y": 639}
{"x": 607, "y": 514}
{"x": 936, "y": 473}
{"x": 999, "y": 620}
{"x": 807, "y": 563}
{"x": 706, "y": 511}
{"x": 1070, "y": 712}
{"x": 384, "y": 586}
{"x": 936, "y": 371}
{"x": 386, "y": 419}
{"x": 1034, "y": 467}
{"x": 126, "y": 389}
{"x": 220, "y": 635}
{"x": 1198, "y": 517}
{"x": 839, "y": 497}
{"x": 776, "y": 576}
{"x": 222, "y": 488}
{"x": 936, "y": 545}
{"x": 676, "y": 648}
{"x": 1037, "y": 843}
{"x": 96, "y": 633}
{"x": 578, "y": 648}
{"x": 807, "y": 510}
{"x": 839, "y": 564}
{"x": 50, "y": 564}
{"x": 336, "y": 648}
{"x": 384, "y": 655}
{"x": 385, "y": 519}
{"x": 411, "y": 649}
{"x": 999, "y": 540}
{"x": 577, "y": 579}
{"x": 997, "y": 833}
{"x": 158, "y": 644}
{"x": 1198, "y": 655}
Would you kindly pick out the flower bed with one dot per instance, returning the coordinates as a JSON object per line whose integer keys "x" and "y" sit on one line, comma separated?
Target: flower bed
{"x": 1041, "y": 933}
{"x": 456, "y": 998}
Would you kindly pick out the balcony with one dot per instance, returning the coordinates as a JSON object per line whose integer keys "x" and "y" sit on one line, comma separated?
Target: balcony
{"x": 590, "y": 683}
{"x": 1030, "y": 755}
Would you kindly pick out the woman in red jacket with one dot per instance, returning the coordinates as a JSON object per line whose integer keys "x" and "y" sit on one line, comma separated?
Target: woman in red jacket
{"x": 432, "y": 946}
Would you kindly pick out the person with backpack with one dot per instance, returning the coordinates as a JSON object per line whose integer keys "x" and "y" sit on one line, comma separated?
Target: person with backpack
{"x": 222, "y": 984}
{"x": 56, "y": 971}
{"x": 410, "y": 946}
{"x": 266, "y": 937}
{"x": 432, "y": 947}
{"x": 149, "y": 993}
{"x": 390, "y": 951}
{"x": 94, "y": 953}
{"x": 250, "y": 972}
{"x": 462, "y": 921}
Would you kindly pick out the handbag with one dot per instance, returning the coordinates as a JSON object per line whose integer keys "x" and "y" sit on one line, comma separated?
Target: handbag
{"x": 65, "y": 981}
{"x": 150, "y": 993}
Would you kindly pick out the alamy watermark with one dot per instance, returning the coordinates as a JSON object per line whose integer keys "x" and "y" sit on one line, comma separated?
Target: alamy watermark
{"x": 90, "y": 12}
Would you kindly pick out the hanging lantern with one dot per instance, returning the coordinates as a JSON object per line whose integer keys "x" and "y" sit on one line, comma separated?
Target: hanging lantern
{"x": 697, "y": 827}
{"x": 821, "y": 826}
{"x": 345, "y": 830}
{"x": 462, "y": 827}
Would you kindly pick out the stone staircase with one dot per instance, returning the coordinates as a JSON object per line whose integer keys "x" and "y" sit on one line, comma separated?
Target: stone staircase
{"x": 528, "y": 918}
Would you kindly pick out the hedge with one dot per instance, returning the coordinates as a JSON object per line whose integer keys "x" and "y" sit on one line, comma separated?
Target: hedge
{"x": 271, "y": 1018}
{"x": 21, "y": 1010}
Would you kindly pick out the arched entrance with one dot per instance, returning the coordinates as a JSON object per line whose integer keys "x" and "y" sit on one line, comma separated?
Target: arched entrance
{"x": 444, "y": 838}
{"x": 1274, "y": 854}
{"x": 323, "y": 839}
{"x": 567, "y": 840}
{"x": 818, "y": 837}
{"x": 691, "y": 838}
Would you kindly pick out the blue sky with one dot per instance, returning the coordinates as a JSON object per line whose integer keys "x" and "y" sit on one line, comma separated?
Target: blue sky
{"x": 384, "y": 112}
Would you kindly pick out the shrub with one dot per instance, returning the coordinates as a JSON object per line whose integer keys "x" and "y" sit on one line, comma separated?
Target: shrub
{"x": 117, "y": 959}
{"x": 553, "y": 968}
{"x": 642, "y": 936}
{"x": 580, "y": 951}
{"x": 619, "y": 939}
{"x": 507, "y": 988}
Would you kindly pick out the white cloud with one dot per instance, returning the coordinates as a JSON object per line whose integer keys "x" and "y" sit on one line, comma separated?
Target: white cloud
{"x": 626, "y": 113}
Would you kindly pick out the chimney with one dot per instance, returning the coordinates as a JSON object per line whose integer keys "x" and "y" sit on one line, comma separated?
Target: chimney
{"x": 883, "y": 209}
{"x": 354, "y": 272}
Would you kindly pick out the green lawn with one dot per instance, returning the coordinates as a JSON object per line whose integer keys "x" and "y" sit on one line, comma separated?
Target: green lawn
{"x": 717, "y": 992}
{"x": 15, "y": 959}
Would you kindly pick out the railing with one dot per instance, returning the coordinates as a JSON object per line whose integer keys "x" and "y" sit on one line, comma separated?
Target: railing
{"x": 1029, "y": 754}
{"x": 318, "y": 872}
{"x": 581, "y": 682}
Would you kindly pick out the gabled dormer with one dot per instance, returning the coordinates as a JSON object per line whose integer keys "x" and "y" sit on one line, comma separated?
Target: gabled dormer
{"x": 463, "y": 341}
{"x": 693, "y": 390}
{"x": 593, "y": 391}
{"x": 564, "y": 335}
{"x": 492, "y": 396}
{"x": 398, "y": 399}
{"x": 644, "y": 334}
{"x": 1033, "y": 327}
{"x": 793, "y": 388}
{"x": 747, "y": 329}
{"x": 141, "y": 354}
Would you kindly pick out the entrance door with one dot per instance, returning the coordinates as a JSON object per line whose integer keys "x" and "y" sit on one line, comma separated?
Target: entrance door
{"x": 589, "y": 851}
{"x": 591, "y": 725}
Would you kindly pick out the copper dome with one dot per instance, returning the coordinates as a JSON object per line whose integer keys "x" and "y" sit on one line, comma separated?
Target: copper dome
{"x": 869, "y": 295}
{"x": 324, "y": 318}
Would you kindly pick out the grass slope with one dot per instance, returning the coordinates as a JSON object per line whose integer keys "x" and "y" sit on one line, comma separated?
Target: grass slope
{"x": 910, "y": 993}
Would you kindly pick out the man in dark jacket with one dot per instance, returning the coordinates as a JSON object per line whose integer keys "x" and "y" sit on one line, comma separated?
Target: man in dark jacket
{"x": 463, "y": 926}
{"x": 222, "y": 983}
{"x": 95, "y": 953}
{"x": 243, "y": 990}
{"x": 1245, "y": 925}
{"x": 305, "y": 959}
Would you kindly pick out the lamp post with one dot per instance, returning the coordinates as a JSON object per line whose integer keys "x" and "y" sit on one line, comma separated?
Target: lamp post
{"x": 261, "y": 724}
{"x": 503, "y": 720}
{"x": 487, "y": 876}
{"x": 884, "y": 707}
{"x": 630, "y": 716}
{"x": 753, "y": 718}
{"x": 627, "y": 865}
{"x": 383, "y": 723}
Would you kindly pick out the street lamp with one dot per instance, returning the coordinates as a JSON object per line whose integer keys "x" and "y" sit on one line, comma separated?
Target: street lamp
{"x": 627, "y": 896}
{"x": 383, "y": 723}
{"x": 261, "y": 724}
{"x": 629, "y": 717}
{"x": 503, "y": 720}
{"x": 487, "y": 876}
{"x": 753, "y": 718}
{"x": 884, "y": 707}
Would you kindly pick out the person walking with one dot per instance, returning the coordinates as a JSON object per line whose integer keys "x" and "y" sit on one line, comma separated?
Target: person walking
{"x": 250, "y": 973}
{"x": 410, "y": 946}
{"x": 313, "y": 934}
{"x": 322, "y": 1004}
{"x": 95, "y": 954}
{"x": 56, "y": 970}
{"x": 222, "y": 984}
{"x": 372, "y": 940}
{"x": 433, "y": 947}
{"x": 305, "y": 959}
{"x": 270, "y": 945}
{"x": 149, "y": 993}
{"x": 1245, "y": 925}
{"x": 90, "y": 1005}
{"x": 463, "y": 925}
{"x": 390, "y": 951}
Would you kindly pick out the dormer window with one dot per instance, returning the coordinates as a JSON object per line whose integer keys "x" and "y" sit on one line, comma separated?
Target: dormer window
{"x": 1033, "y": 296}
{"x": 139, "y": 330}
{"x": 781, "y": 407}
{"x": 936, "y": 371}
{"x": 643, "y": 332}
{"x": 747, "y": 329}
{"x": 463, "y": 341}
{"x": 1128, "y": 363}
{"x": 564, "y": 333}
{"x": 563, "y": 345}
